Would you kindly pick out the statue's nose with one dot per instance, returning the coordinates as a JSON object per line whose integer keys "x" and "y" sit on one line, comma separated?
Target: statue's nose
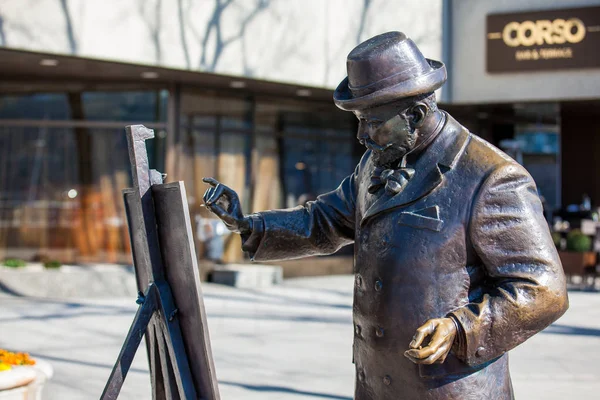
{"x": 363, "y": 132}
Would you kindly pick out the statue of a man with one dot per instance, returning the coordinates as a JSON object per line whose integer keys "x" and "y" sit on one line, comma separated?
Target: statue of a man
{"x": 454, "y": 262}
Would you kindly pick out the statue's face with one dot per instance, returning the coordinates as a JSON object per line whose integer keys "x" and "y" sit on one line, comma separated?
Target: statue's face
{"x": 390, "y": 131}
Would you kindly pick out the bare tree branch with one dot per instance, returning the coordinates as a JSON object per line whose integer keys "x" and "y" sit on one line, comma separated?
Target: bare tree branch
{"x": 289, "y": 47}
{"x": 363, "y": 17}
{"x": 156, "y": 33}
{"x": 69, "y": 25}
{"x": 182, "y": 24}
{"x": 2, "y": 33}
{"x": 190, "y": 23}
{"x": 260, "y": 6}
{"x": 153, "y": 23}
{"x": 337, "y": 52}
{"x": 214, "y": 25}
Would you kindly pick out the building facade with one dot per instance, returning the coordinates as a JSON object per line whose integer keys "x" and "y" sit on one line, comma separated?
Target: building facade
{"x": 525, "y": 75}
{"x": 242, "y": 90}
{"x": 235, "y": 89}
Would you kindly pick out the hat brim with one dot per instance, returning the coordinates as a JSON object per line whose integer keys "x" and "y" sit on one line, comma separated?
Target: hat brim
{"x": 425, "y": 83}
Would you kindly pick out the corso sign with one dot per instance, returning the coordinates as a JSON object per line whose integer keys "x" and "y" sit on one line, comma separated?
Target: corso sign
{"x": 543, "y": 31}
{"x": 553, "y": 39}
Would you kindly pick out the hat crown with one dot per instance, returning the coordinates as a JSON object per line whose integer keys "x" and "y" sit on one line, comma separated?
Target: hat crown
{"x": 384, "y": 69}
{"x": 384, "y": 60}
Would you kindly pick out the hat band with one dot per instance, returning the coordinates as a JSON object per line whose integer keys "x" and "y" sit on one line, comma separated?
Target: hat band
{"x": 401, "y": 76}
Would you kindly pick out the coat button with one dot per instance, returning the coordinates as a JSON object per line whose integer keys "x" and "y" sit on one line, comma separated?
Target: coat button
{"x": 387, "y": 380}
{"x": 378, "y": 285}
{"x": 361, "y": 376}
{"x": 358, "y": 280}
{"x": 479, "y": 352}
{"x": 357, "y": 330}
{"x": 379, "y": 332}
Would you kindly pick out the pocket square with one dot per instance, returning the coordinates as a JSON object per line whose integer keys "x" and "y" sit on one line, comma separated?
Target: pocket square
{"x": 426, "y": 218}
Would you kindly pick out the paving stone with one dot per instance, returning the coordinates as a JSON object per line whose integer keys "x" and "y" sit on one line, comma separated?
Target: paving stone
{"x": 287, "y": 342}
{"x": 247, "y": 275}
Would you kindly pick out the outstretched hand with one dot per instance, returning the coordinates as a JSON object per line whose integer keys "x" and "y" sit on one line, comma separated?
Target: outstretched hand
{"x": 442, "y": 332}
{"x": 225, "y": 204}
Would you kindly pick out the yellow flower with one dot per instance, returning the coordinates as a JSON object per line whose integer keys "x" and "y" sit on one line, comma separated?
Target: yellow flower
{"x": 5, "y": 367}
{"x": 10, "y": 358}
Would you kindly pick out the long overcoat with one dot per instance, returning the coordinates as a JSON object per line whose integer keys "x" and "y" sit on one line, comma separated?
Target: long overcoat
{"x": 466, "y": 238}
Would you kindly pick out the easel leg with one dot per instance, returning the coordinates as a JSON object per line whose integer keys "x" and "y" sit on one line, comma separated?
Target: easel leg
{"x": 132, "y": 342}
{"x": 159, "y": 392}
{"x": 173, "y": 349}
{"x": 168, "y": 376}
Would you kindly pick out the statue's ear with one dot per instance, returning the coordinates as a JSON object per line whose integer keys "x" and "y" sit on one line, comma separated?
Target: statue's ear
{"x": 418, "y": 113}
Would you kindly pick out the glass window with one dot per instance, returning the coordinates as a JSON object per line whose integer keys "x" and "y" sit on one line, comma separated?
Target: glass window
{"x": 538, "y": 141}
{"x": 217, "y": 133}
{"x": 143, "y": 105}
{"x": 50, "y": 106}
{"x": 538, "y": 151}
{"x": 61, "y": 193}
{"x": 125, "y": 106}
{"x": 318, "y": 154}
{"x": 216, "y": 138}
{"x": 61, "y": 176}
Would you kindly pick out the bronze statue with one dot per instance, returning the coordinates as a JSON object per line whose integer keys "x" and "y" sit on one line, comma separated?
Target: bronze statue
{"x": 454, "y": 263}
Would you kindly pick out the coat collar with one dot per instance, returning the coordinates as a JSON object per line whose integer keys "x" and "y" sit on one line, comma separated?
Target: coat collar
{"x": 437, "y": 159}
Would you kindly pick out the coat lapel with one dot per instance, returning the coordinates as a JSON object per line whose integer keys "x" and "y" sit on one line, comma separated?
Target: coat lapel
{"x": 437, "y": 159}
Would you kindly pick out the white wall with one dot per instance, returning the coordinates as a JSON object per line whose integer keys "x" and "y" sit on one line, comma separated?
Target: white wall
{"x": 470, "y": 83}
{"x": 295, "y": 41}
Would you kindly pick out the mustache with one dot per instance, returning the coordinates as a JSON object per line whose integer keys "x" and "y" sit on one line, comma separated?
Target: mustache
{"x": 371, "y": 145}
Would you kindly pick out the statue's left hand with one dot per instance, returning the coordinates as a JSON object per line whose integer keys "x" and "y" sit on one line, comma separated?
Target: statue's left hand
{"x": 442, "y": 332}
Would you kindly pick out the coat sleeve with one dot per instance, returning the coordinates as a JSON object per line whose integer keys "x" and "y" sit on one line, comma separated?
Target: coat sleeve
{"x": 320, "y": 227}
{"x": 524, "y": 290}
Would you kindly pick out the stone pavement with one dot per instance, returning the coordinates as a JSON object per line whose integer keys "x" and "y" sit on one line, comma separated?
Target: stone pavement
{"x": 288, "y": 342}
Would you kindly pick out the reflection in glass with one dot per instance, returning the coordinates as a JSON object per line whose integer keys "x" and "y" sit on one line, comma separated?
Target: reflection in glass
{"x": 124, "y": 106}
{"x": 318, "y": 155}
{"x": 539, "y": 147}
{"x": 61, "y": 182}
{"x": 52, "y": 106}
{"x": 48, "y": 210}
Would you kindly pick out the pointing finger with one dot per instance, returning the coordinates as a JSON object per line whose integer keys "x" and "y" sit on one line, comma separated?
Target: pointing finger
{"x": 211, "y": 181}
{"x": 208, "y": 193}
{"x": 216, "y": 194}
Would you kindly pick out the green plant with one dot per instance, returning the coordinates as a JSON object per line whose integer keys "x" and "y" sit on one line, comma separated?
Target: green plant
{"x": 577, "y": 241}
{"x": 556, "y": 237}
{"x": 14, "y": 263}
{"x": 52, "y": 264}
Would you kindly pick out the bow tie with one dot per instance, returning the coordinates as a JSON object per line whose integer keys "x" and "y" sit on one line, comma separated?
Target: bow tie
{"x": 394, "y": 180}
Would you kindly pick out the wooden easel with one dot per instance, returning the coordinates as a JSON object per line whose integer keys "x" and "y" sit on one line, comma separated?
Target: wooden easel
{"x": 171, "y": 312}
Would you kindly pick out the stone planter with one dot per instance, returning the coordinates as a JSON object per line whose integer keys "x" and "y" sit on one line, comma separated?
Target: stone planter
{"x": 575, "y": 263}
{"x": 247, "y": 276}
{"x": 25, "y": 383}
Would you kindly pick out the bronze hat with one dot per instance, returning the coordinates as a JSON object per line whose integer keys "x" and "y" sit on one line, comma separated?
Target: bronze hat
{"x": 385, "y": 68}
